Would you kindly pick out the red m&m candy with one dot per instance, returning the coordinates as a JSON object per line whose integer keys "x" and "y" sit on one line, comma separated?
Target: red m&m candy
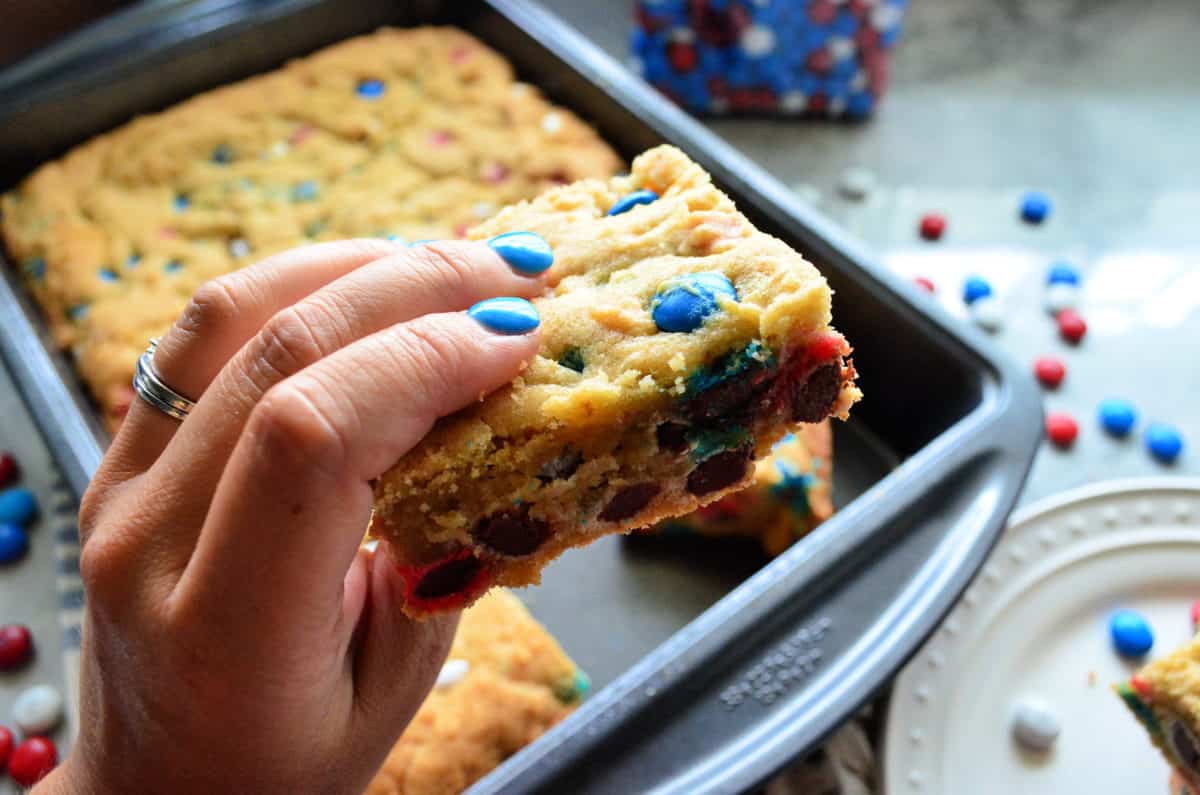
{"x": 1061, "y": 429}
{"x": 1049, "y": 371}
{"x": 31, "y": 760}
{"x": 6, "y": 744}
{"x": 16, "y": 646}
{"x": 925, "y": 284}
{"x": 1071, "y": 325}
{"x": 933, "y": 226}
{"x": 8, "y": 468}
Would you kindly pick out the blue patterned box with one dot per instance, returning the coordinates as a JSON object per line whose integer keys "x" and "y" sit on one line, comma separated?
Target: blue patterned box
{"x": 787, "y": 57}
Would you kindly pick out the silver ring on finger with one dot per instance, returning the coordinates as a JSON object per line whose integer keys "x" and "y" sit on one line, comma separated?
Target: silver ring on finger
{"x": 150, "y": 388}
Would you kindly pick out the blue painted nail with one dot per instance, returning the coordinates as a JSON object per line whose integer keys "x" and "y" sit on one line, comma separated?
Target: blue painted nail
{"x": 506, "y": 315}
{"x": 526, "y": 252}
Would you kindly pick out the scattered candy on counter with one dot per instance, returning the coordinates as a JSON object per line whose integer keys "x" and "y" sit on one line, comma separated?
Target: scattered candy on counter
{"x": 1117, "y": 416}
{"x": 31, "y": 760}
{"x": 14, "y": 543}
{"x": 856, "y": 183}
{"x": 1131, "y": 634}
{"x": 16, "y": 646}
{"x": 974, "y": 288}
{"x": 932, "y": 226}
{"x": 1035, "y": 206}
{"x": 790, "y": 57}
{"x": 38, "y": 709}
{"x": 1195, "y": 615}
{"x": 1050, "y": 371}
{"x": 1035, "y": 727}
{"x": 18, "y": 506}
{"x": 925, "y": 284}
{"x": 1060, "y": 296}
{"x": 453, "y": 671}
{"x": 1061, "y": 429}
{"x": 6, "y": 745}
{"x": 1063, "y": 273}
{"x": 1164, "y": 442}
{"x": 1071, "y": 326}
{"x": 987, "y": 313}
{"x": 8, "y": 468}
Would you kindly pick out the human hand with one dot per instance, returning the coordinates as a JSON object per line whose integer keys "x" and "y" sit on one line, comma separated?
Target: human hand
{"x": 237, "y": 637}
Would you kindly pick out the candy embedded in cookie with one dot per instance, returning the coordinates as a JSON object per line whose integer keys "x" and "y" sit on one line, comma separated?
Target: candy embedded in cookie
{"x": 678, "y": 345}
{"x": 789, "y": 497}
{"x": 1165, "y": 698}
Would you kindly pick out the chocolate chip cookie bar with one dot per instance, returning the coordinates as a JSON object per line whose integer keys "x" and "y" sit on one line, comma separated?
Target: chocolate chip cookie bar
{"x": 505, "y": 682}
{"x": 788, "y": 498}
{"x": 678, "y": 345}
{"x": 1165, "y": 697}
{"x": 414, "y": 134}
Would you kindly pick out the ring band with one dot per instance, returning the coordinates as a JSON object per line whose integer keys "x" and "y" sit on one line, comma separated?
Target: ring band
{"x": 151, "y": 389}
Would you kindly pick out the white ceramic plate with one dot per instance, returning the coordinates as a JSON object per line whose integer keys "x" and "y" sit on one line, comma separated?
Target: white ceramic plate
{"x": 1034, "y": 622}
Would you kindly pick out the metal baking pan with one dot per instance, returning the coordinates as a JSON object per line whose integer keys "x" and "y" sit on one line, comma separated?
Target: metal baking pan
{"x": 714, "y": 667}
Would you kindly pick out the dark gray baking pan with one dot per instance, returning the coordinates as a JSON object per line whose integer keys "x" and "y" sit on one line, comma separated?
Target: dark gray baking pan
{"x": 713, "y": 666}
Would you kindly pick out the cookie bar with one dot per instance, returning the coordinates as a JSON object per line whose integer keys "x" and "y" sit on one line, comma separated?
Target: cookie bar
{"x": 416, "y": 133}
{"x": 788, "y": 498}
{"x": 678, "y": 345}
{"x": 505, "y": 682}
{"x": 1165, "y": 697}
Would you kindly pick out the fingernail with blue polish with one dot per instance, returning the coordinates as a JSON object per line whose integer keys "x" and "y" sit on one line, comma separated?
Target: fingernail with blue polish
{"x": 526, "y": 252}
{"x": 506, "y": 315}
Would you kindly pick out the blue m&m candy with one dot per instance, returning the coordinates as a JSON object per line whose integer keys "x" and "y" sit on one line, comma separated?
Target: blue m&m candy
{"x": 1131, "y": 634}
{"x": 1164, "y": 442}
{"x": 683, "y": 303}
{"x": 1062, "y": 273}
{"x": 1035, "y": 206}
{"x": 17, "y": 506}
{"x": 627, "y": 203}
{"x": 14, "y": 543}
{"x": 370, "y": 89}
{"x": 974, "y": 288}
{"x": 1117, "y": 416}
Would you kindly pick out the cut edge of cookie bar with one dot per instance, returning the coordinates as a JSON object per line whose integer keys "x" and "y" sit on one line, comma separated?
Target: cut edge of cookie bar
{"x": 624, "y": 418}
{"x": 1164, "y": 696}
{"x": 505, "y": 682}
{"x": 791, "y": 495}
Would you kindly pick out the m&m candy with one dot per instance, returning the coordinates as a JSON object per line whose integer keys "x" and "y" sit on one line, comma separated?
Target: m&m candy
{"x": 8, "y": 468}
{"x": 1035, "y": 206}
{"x": 1049, "y": 370}
{"x": 974, "y": 288}
{"x": 18, "y": 506}
{"x": 32, "y": 760}
{"x": 1061, "y": 429}
{"x": 14, "y": 543}
{"x": 925, "y": 284}
{"x": 1164, "y": 442}
{"x": 1130, "y": 632}
{"x": 1071, "y": 326}
{"x": 1117, "y": 416}
{"x": 16, "y": 646}
{"x": 1062, "y": 273}
{"x": 932, "y": 226}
